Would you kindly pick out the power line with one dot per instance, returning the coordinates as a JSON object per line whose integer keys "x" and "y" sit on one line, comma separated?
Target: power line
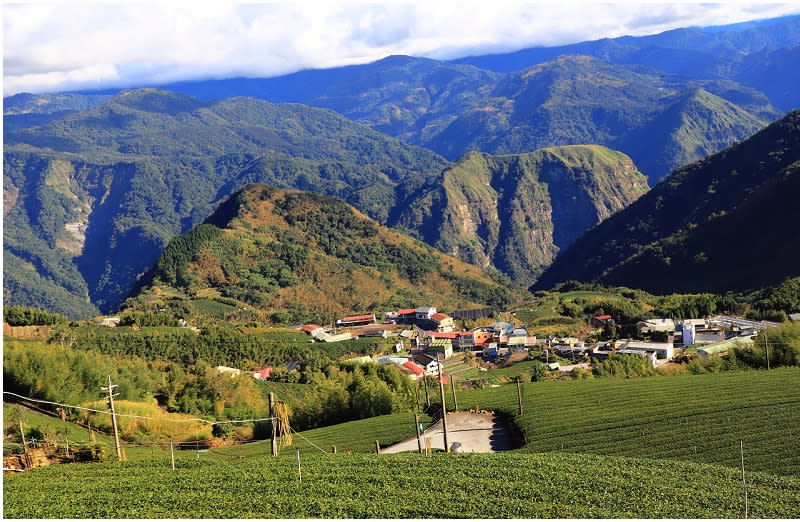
{"x": 305, "y": 439}
{"x": 193, "y": 419}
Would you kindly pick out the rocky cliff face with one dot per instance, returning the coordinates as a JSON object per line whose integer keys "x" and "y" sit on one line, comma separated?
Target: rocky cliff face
{"x": 515, "y": 212}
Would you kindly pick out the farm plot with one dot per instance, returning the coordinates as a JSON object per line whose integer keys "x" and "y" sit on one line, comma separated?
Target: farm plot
{"x": 700, "y": 418}
{"x": 511, "y": 485}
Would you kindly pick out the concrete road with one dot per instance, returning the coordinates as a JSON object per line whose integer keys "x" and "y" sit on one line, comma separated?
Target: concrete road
{"x": 466, "y": 432}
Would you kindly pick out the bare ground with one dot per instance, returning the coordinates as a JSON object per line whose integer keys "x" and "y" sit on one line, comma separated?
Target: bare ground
{"x": 466, "y": 432}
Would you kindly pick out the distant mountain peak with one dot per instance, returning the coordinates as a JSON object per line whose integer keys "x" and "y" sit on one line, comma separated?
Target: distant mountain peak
{"x": 151, "y": 99}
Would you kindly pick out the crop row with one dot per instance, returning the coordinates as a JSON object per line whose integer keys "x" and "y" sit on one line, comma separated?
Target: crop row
{"x": 399, "y": 486}
{"x": 701, "y": 418}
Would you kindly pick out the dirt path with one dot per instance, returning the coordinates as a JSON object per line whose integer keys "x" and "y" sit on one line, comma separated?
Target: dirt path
{"x": 466, "y": 432}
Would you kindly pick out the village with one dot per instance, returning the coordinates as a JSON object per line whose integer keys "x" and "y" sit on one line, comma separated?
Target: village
{"x": 425, "y": 340}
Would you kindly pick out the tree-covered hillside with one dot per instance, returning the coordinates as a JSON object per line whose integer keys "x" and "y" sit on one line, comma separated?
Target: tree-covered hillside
{"x": 661, "y": 122}
{"x": 298, "y": 256}
{"x": 724, "y": 223}
{"x": 92, "y": 198}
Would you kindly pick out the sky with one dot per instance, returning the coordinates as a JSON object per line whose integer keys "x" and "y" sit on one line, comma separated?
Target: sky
{"x": 58, "y": 46}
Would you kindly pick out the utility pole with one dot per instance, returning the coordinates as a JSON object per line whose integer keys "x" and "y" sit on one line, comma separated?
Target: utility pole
{"x": 110, "y": 390}
{"x": 519, "y": 395}
{"x": 416, "y": 428}
{"x": 274, "y": 422}
{"x": 444, "y": 407}
{"x": 24, "y": 446}
{"x": 766, "y": 346}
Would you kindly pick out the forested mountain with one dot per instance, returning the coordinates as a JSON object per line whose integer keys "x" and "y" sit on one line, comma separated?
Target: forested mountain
{"x": 727, "y": 223}
{"x": 569, "y": 100}
{"x": 92, "y": 198}
{"x": 621, "y": 93}
{"x": 516, "y": 212}
{"x": 761, "y": 54}
{"x": 403, "y": 96}
{"x": 661, "y": 122}
{"x": 299, "y": 255}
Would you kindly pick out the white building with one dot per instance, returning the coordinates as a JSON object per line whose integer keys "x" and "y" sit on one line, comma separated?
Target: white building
{"x": 657, "y": 325}
{"x": 425, "y": 313}
{"x": 665, "y": 351}
{"x": 233, "y": 372}
{"x": 688, "y": 333}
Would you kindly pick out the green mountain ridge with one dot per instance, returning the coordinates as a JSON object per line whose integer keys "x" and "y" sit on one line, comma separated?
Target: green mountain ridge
{"x": 697, "y": 125}
{"x": 579, "y": 99}
{"x": 725, "y": 223}
{"x": 582, "y": 94}
{"x": 515, "y": 212}
{"x": 92, "y": 198}
{"x": 298, "y": 256}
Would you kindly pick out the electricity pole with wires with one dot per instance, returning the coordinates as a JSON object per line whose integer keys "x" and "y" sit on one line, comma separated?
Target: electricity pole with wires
{"x": 111, "y": 394}
{"x": 444, "y": 408}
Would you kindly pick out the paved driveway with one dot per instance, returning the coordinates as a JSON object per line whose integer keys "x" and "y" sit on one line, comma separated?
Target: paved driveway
{"x": 466, "y": 432}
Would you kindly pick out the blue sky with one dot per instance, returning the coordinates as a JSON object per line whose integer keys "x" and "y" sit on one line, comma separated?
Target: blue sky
{"x": 49, "y": 47}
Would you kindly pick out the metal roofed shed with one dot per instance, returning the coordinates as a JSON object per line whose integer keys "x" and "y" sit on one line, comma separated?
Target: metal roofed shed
{"x": 722, "y": 348}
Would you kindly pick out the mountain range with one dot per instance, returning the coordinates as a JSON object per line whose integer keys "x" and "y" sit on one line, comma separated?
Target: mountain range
{"x": 92, "y": 198}
{"x": 503, "y": 161}
{"x": 726, "y": 223}
{"x": 614, "y": 92}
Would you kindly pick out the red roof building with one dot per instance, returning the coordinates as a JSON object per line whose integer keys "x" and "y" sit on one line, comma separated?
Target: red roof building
{"x": 357, "y": 320}
{"x": 413, "y": 368}
{"x": 443, "y": 335}
{"x": 262, "y": 374}
{"x": 600, "y": 320}
{"x": 310, "y": 328}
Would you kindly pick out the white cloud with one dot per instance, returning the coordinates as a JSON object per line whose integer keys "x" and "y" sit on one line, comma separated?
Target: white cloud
{"x": 62, "y": 46}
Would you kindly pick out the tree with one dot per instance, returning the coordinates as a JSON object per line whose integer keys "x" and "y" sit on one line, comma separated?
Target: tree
{"x": 538, "y": 371}
{"x": 64, "y": 336}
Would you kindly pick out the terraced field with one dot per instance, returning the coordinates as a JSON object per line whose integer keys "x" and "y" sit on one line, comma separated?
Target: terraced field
{"x": 698, "y": 418}
{"x": 511, "y": 485}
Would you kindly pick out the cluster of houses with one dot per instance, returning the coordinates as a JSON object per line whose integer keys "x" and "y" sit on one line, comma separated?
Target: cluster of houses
{"x": 712, "y": 336}
{"x": 430, "y": 336}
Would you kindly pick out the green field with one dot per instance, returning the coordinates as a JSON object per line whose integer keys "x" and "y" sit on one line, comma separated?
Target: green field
{"x": 511, "y": 485}
{"x": 699, "y": 418}
{"x": 659, "y": 447}
{"x": 356, "y": 437}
